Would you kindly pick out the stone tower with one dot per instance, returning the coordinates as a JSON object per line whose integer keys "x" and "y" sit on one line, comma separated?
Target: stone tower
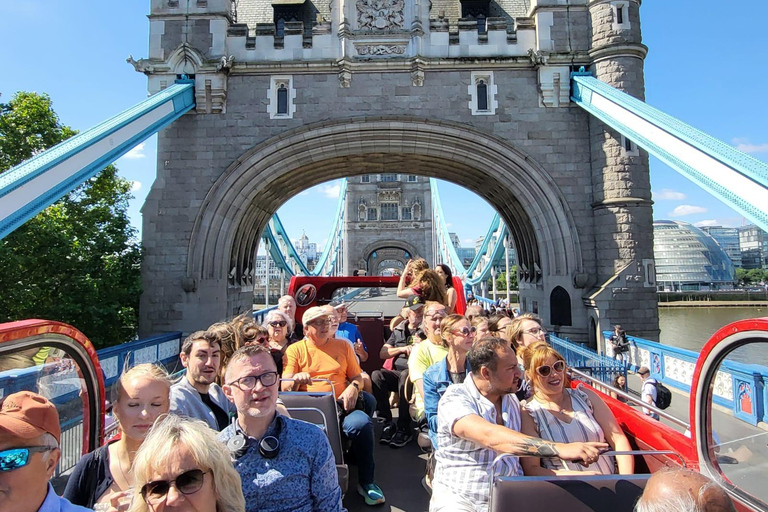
{"x": 388, "y": 221}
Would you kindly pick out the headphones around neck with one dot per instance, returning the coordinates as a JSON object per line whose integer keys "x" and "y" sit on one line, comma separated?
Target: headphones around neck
{"x": 269, "y": 445}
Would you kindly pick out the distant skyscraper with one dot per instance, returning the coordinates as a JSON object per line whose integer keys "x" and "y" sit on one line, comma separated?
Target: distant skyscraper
{"x": 728, "y": 238}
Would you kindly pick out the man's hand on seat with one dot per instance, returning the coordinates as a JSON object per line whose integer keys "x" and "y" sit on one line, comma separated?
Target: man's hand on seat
{"x": 349, "y": 398}
{"x": 583, "y": 453}
{"x": 301, "y": 379}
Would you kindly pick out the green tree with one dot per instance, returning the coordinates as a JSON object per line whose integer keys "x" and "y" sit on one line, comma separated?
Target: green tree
{"x": 78, "y": 261}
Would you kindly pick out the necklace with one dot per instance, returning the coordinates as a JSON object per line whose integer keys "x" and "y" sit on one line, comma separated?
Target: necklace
{"x": 120, "y": 466}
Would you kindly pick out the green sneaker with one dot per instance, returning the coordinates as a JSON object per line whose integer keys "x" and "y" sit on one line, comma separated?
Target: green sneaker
{"x": 372, "y": 494}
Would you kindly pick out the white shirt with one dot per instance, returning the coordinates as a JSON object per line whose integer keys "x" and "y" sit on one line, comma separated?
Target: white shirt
{"x": 649, "y": 390}
{"x": 463, "y": 467}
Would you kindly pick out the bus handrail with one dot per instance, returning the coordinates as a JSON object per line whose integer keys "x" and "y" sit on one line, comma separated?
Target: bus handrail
{"x": 600, "y": 384}
{"x": 503, "y": 456}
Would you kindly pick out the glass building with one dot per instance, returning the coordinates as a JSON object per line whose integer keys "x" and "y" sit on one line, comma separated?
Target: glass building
{"x": 688, "y": 259}
{"x": 728, "y": 238}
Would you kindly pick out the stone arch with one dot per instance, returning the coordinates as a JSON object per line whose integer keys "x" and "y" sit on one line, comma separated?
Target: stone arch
{"x": 381, "y": 244}
{"x": 252, "y": 188}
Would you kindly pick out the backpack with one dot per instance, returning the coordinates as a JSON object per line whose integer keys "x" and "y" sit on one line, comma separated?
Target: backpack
{"x": 663, "y": 396}
{"x": 620, "y": 343}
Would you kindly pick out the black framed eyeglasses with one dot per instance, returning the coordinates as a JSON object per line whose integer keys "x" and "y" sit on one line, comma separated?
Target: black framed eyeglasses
{"x": 546, "y": 370}
{"x": 278, "y": 323}
{"x": 186, "y": 483}
{"x": 15, "y": 458}
{"x": 249, "y": 381}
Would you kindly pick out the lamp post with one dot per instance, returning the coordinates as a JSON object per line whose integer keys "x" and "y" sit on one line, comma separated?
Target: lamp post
{"x": 506, "y": 267}
{"x": 493, "y": 278}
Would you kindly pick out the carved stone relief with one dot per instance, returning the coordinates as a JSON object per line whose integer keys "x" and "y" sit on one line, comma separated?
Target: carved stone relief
{"x": 380, "y": 14}
{"x": 380, "y": 49}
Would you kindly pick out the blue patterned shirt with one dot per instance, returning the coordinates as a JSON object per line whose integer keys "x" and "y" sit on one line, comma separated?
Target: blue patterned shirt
{"x": 301, "y": 478}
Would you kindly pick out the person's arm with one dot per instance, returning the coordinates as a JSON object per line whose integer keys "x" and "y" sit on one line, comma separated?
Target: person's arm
{"x": 324, "y": 481}
{"x": 431, "y": 397}
{"x": 416, "y": 368}
{"x": 452, "y": 298}
{"x": 614, "y": 436}
{"x": 290, "y": 371}
{"x": 532, "y": 465}
{"x": 504, "y": 440}
{"x": 402, "y": 284}
{"x": 355, "y": 378}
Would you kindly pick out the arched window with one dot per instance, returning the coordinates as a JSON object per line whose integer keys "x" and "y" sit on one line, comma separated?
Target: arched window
{"x": 560, "y": 307}
{"x": 282, "y": 100}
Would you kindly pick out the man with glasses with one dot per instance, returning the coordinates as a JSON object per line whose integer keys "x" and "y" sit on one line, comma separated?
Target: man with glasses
{"x": 284, "y": 464}
{"x": 321, "y": 356}
{"x": 29, "y": 453}
{"x": 426, "y": 353}
{"x": 196, "y": 394}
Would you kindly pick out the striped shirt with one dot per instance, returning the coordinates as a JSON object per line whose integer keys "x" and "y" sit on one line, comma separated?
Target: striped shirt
{"x": 463, "y": 467}
{"x": 582, "y": 428}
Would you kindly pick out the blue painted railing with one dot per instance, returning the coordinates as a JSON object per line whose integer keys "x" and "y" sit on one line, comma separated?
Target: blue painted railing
{"x": 162, "y": 348}
{"x": 587, "y": 360}
{"x": 739, "y": 387}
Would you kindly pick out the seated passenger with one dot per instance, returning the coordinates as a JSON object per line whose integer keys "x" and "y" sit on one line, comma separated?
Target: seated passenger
{"x": 333, "y": 314}
{"x": 497, "y": 323}
{"x": 284, "y": 464}
{"x": 459, "y": 335}
{"x": 104, "y": 475}
{"x": 680, "y": 489}
{"x": 451, "y": 297}
{"x": 29, "y": 453}
{"x": 321, "y": 356}
{"x": 287, "y": 305}
{"x": 479, "y": 420}
{"x": 474, "y": 311}
{"x": 429, "y": 286}
{"x": 426, "y": 353}
{"x": 278, "y": 325}
{"x": 523, "y": 331}
{"x": 564, "y": 415}
{"x": 480, "y": 323}
{"x": 182, "y": 466}
{"x": 393, "y": 378}
{"x": 196, "y": 394}
{"x": 350, "y": 332}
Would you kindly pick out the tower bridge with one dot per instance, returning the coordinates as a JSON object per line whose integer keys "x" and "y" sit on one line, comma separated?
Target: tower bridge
{"x": 286, "y": 97}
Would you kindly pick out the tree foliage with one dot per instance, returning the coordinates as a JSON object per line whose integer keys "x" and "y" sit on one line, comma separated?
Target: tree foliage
{"x": 752, "y": 276}
{"x": 78, "y": 261}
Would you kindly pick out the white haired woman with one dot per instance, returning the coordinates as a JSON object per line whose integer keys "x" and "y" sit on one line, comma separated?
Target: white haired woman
{"x": 103, "y": 478}
{"x": 278, "y": 324}
{"x": 182, "y": 465}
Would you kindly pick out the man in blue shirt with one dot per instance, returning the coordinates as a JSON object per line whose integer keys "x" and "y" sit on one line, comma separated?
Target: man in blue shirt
{"x": 29, "y": 453}
{"x": 284, "y": 464}
{"x": 351, "y": 333}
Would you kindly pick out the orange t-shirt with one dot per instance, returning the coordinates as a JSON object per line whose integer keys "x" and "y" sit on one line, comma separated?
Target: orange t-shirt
{"x": 334, "y": 361}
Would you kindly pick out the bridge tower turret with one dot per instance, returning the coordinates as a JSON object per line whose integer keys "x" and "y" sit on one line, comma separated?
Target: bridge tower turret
{"x": 622, "y": 203}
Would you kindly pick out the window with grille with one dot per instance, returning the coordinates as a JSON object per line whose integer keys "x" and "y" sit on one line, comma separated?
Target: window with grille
{"x": 389, "y": 177}
{"x": 372, "y": 214}
{"x": 406, "y": 213}
{"x": 389, "y": 211}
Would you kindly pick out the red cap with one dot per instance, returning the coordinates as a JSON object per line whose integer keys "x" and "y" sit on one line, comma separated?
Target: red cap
{"x": 28, "y": 415}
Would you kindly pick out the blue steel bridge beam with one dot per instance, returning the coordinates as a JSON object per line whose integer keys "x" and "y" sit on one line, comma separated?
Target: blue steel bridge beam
{"x": 732, "y": 176}
{"x": 32, "y": 186}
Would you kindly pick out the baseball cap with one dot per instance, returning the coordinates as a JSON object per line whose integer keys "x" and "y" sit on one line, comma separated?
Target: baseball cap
{"x": 314, "y": 313}
{"x": 28, "y": 415}
{"x": 414, "y": 302}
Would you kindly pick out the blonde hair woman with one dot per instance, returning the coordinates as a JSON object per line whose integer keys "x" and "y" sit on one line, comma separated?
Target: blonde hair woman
{"x": 560, "y": 414}
{"x": 104, "y": 477}
{"x": 182, "y": 461}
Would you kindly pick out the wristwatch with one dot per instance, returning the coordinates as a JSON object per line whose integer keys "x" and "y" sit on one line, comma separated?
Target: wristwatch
{"x": 357, "y": 386}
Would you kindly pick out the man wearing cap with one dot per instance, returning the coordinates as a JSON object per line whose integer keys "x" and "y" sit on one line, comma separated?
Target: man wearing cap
{"x": 29, "y": 453}
{"x": 321, "y": 356}
{"x": 648, "y": 393}
{"x": 393, "y": 378}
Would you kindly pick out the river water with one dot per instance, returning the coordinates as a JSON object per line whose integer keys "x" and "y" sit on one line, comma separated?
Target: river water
{"x": 691, "y": 328}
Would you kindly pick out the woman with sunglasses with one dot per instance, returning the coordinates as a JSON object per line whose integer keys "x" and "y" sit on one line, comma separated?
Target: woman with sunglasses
{"x": 182, "y": 466}
{"x": 277, "y": 324}
{"x": 458, "y": 335}
{"x": 104, "y": 477}
{"x": 563, "y": 415}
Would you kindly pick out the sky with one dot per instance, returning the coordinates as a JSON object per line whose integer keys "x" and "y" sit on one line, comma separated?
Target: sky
{"x": 705, "y": 66}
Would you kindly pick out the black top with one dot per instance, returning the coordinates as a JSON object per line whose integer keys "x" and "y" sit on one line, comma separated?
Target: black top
{"x": 90, "y": 478}
{"x": 221, "y": 416}
{"x": 401, "y": 337}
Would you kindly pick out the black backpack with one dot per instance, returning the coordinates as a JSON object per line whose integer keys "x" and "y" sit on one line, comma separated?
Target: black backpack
{"x": 663, "y": 396}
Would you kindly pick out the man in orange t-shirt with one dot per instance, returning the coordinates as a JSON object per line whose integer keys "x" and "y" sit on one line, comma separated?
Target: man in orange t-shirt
{"x": 320, "y": 356}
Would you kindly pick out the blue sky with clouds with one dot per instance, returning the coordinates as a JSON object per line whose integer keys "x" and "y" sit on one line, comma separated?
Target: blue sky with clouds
{"x": 707, "y": 65}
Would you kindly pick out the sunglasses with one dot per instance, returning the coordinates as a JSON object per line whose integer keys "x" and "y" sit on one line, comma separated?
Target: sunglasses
{"x": 317, "y": 323}
{"x": 249, "y": 382}
{"x": 466, "y": 331}
{"x": 261, "y": 340}
{"x": 188, "y": 482}
{"x": 16, "y": 458}
{"x": 545, "y": 370}
{"x": 281, "y": 323}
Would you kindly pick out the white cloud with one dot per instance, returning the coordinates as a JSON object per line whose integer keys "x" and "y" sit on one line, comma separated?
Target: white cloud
{"x": 448, "y": 224}
{"x": 708, "y": 222}
{"x": 743, "y": 144}
{"x": 669, "y": 194}
{"x": 305, "y": 193}
{"x": 687, "y": 209}
{"x": 136, "y": 152}
{"x": 469, "y": 241}
{"x": 135, "y": 186}
{"x": 331, "y": 191}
